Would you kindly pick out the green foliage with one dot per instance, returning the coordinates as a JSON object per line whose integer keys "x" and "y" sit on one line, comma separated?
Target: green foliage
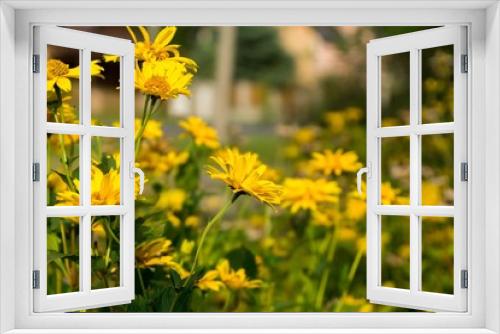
{"x": 261, "y": 58}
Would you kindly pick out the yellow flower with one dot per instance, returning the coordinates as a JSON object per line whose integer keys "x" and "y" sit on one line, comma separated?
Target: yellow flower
{"x": 356, "y": 304}
{"x": 160, "y": 48}
{"x": 335, "y": 121}
{"x": 152, "y": 253}
{"x": 347, "y": 234}
{"x": 338, "y": 162}
{"x": 67, "y": 140}
{"x": 187, "y": 246}
{"x": 158, "y": 157}
{"x": 355, "y": 208}
{"x": 431, "y": 194}
{"x": 105, "y": 188}
{"x": 307, "y": 194}
{"x": 152, "y": 131}
{"x": 68, "y": 198}
{"x": 171, "y": 199}
{"x": 192, "y": 221}
{"x": 152, "y": 248}
{"x": 163, "y": 79}
{"x": 55, "y": 182}
{"x": 356, "y": 204}
{"x": 390, "y": 195}
{"x": 98, "y": 229}
{"x": 326, "y": 216}
{"x": 173, "y": 219}
{"x": 59, "y": 74}
{"x": 209, "y": 281}
{"x": 244, "y": 174}
{"x": 305, "y": 135}
{"x": 203, "y": 135}
{"x": 236, "y": 280}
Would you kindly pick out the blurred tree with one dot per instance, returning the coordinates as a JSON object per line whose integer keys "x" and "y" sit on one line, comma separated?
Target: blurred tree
{"x": 267, "y": 62}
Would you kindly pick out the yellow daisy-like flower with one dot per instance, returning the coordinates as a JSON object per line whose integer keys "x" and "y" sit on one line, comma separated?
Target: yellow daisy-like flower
{"x": 105, "y": 188}
{"x": 192, "y": 221}
{"x": 148, "y": 250}
{"x": 160, "y": 48}
{"x": 329, "y": 162}
{"x": 307, "y": 194}
{"x": 56, "y": 183}
{"x": 158, "y": 157}
{"x": 236, "y": 279}
{"x": 326, "y": 216}
{"x": 390, "y": 195}
{"x": 305, "y": 135}
{"x": 163, "y": 79}
{"x": 209, "y": 281}
{"x": 244, "y": 174}
{"x": 171, "y": 199}
{"x": 187, "y": 246}
{"x": 336, "y": 121}
{"x": 203, "y": 135}
{"x": 59, "y": 74}
{"x": 152, "y": 131}
{"x": 355, "y": 206}
{"x": 68, "y": 198}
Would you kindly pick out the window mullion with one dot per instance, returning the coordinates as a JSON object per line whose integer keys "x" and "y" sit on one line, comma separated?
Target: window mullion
{"x": 85, "y": 177}
{"x": 415, "y": 241}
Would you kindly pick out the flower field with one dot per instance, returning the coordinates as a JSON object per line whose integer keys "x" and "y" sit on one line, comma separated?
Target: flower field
{"x": 266, "y": 222}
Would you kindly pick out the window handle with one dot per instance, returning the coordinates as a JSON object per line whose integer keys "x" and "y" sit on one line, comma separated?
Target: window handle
{"x": 135, "y": 170}
{"x": 361, "y": 171}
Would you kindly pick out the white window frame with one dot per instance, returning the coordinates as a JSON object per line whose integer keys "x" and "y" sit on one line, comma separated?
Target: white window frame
{"x": 85, "y": 43}
{"x": 413, "y": 44}
{"x": 16, "y": 21}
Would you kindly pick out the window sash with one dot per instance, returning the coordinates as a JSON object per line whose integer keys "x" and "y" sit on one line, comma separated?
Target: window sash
{"x": 414, "y": 43}
{"x": 85, "y": 297}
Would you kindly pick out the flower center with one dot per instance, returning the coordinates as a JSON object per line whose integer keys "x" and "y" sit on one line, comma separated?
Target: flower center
{"x": 56, "y": 68}
{"x": 157, "y": 86}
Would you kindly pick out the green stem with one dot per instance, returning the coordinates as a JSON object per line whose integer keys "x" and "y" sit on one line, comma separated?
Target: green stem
{"x": 326, "y": 273}
{"x": 64, "y": 245}
{"x": 350, "y": 278}
{"x": 212, "y": 222}
{"x": 141, "y": 281}
{"x": 150, "y": 108}
{"x": 228, "y": 302}
{"x": 145, "y": 112}
{"x": 64, "y": 155}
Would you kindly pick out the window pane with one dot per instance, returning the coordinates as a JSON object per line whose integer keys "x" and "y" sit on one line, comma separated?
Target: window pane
{"x": 437, "y": 84}
{"x": 63, "y": 85}
{"x": 395, "y": 251}
{"x": 105, "y": 252}
{"x": 105, "y": 90}
{"x": 63, "y": 255}
{"x": 395, "y": 171}
{"x": 63, "y": 158}
{"x": 105, "y": 175}
{"x": 395, "y": 89}
{"x": 437, "y": 169}
{"x": 437, "y": 254}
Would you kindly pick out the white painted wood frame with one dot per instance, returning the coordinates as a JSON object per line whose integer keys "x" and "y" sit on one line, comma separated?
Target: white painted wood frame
{"x": 17, "y": 18}
{"x": 413, "y": 44}
{"x": 85, "y": 43}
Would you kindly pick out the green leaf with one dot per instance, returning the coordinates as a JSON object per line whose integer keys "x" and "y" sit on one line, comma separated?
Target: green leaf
{"x": 53, "y": 256}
